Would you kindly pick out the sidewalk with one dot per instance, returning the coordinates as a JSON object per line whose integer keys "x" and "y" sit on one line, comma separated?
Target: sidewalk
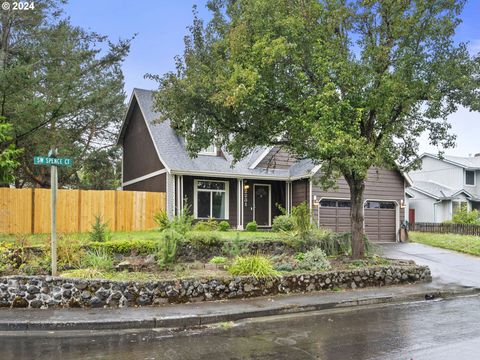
{"x": 199, "y": 314}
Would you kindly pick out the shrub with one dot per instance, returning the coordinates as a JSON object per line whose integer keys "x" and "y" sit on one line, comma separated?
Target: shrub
{"x": 127, "y": 246}
{"x": 99, "y": 231}
{"x": 253, "y": 265}
{"x": 463, "y": 216}
{"x": 98, "y": 260}
{"x": 302, "y": 220}
{"x": 180, "y": 223}
{"x": 162, "y": 220}
{"x": 283, "y": 223}
{"x": 251, "y": 226}
{"x": 223, "y": 226}
{"x": 233, "y": 248}
{"x": 203, "y": 238}
{"x": 168, "y": 247}
{"x": 218, "y": 260}
{"x": 70, "y": 251}
{"x": 315, "y": 260}
{"x": 206, "y": 225}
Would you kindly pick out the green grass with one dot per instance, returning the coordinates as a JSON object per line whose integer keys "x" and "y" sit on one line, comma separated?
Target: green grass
{"x": 463, "y": 243}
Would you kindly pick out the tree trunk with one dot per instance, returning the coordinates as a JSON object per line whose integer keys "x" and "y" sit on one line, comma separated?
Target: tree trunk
{"x": 357, "y": 187}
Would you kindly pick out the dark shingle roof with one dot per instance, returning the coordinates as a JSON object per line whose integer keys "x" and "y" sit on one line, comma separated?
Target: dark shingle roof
{"x": 172, "y": 152}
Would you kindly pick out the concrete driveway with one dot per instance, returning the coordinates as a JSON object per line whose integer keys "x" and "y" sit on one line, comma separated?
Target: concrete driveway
{"x": 448, "y": 267}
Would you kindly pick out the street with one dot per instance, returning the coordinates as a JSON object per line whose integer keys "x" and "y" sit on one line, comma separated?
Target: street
{"x": 443, "y": 329}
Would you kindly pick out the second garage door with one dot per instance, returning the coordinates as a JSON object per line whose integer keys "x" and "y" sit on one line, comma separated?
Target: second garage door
{"x": 379, "y": 218}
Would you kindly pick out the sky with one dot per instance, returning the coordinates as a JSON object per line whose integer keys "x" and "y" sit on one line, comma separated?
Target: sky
{"x": 160, "y": 26}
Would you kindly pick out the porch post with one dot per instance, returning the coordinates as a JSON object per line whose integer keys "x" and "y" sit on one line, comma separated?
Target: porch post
{"x": 240, "y": 204}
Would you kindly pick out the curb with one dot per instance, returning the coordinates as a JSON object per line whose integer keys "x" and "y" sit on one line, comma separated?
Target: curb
{"x": 195, "y": 321}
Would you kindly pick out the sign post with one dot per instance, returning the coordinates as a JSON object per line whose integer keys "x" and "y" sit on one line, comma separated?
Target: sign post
{"x": 54, "y": 162}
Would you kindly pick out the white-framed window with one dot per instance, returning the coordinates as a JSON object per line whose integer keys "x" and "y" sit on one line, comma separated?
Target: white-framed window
{"x": 459, "y": 205}
{"x": 210, "y": 199}
{"x": 211, "y": 150}
{"x": 470, "y": 178}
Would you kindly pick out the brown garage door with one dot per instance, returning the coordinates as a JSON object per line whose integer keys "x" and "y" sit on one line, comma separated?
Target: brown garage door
{"x": 379, "y": 218}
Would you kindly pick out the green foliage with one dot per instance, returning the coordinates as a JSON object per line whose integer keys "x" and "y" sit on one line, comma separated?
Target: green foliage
{"x": 101, "y": 170}
{"x": 218, "y": 260}
{"x": 223, "y": 225}
{"x": 233, "y": 247}
{"x": 463, "y": 216}
{"x": 206, "y": 225}
{"x": 89, "y": 273}
{"x": 314, "y": 260}
{"x": 252, "y": 265}
{"x": 168, "y": 247}
{"x": 70, "y": 251}
{"x": 204, "y": 238}
{"x": 354, "y": 83}
{"x": 98, "y": 260}
{"x": 251, "y": 226}
{"x": 181, "y": 223}
{"x": 162, "y": 220}
{"x": 99, "y": 231}
{"x": 303, "y": 221}
{"x": 126, "y": 246}
{"x": 8, "y": 153}
{"x": 61, "y": 86}
{"x": 283, "y": 223}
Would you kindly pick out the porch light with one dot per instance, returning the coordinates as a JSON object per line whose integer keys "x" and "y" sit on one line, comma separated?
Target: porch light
{"x": 402, "y": 204}
{"x": 246, "y": 187}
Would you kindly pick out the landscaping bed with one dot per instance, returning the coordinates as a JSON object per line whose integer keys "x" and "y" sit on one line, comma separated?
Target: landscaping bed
{"x": 48, "y": 292}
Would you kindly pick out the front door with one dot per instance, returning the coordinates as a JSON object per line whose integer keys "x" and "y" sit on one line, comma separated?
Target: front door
{"x": 261, "y": 204}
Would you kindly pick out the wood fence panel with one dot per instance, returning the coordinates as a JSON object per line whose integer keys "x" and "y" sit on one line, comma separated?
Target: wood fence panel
{"x": 462, "y": 229}
{"x": 28, "y": 210}
{"x": 41, "y": 211}
{"x": 15, "y": 210}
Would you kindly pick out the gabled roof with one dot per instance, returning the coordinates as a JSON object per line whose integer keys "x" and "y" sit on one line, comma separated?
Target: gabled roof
{"x": 438, "y": 191}
{"x": 469, "y": 163}
{"x": 171, "y": 150}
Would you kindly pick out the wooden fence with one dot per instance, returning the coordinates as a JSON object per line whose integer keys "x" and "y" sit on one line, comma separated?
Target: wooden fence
{"x": 27, "y": 211}
{"x": 463, "y": 229}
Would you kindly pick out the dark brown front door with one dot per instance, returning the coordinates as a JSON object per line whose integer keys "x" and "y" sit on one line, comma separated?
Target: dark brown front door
{"x": 262, "y": 204}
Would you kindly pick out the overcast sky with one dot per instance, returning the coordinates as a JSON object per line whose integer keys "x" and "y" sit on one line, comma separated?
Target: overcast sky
{"x": 161, "y": 25}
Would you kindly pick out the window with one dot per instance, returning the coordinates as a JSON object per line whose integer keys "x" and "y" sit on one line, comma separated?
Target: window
{"x": 328, "y": 203}
{"x": 469, "y": 177}
{"x": 379, "y": 205}
{"x": 343, "y": 203}
{"x": 211, "y": 150}
{"x": 459, "y": 206}
{"x": 210, "y": 199}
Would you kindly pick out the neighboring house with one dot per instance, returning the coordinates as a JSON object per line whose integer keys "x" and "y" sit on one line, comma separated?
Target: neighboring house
{"x": 155, "y": 159}
{"x": 442, "y": 185}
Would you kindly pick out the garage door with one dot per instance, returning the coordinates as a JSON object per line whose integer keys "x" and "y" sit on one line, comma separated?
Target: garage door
{"x": 379, "y": 218}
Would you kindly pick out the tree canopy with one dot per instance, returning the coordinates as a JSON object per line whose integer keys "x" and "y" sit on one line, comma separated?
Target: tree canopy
{"x": 60, "y": 86}
{"x": 348, "y": 84}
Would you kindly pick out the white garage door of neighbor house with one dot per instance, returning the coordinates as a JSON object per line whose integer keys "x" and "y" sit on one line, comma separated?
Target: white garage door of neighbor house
{"x": 379, "y": 218}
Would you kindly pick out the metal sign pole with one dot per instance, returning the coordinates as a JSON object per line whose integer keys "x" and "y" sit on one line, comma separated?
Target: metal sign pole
{"x": 54, "y": 186}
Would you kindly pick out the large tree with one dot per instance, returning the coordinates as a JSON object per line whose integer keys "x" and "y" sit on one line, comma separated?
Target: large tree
{"x": 349, "y": 84}
{"x": 8, "y": 154}
{"x": 60, "y": 86}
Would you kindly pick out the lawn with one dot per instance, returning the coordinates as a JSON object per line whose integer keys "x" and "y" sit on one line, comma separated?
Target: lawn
{"x": 463, "y": 243}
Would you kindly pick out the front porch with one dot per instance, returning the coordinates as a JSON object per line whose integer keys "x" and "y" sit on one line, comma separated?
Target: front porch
{"x": 238, "y": 201}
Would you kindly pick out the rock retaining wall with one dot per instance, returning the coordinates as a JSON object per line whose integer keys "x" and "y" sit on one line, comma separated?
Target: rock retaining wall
{"x": 46, "y": 292}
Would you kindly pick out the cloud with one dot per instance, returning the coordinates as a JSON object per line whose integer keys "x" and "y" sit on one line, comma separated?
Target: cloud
{"x": 474, "y": 46}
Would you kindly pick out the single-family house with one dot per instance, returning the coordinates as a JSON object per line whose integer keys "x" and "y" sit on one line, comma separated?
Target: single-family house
{"x": 155, "y": 159}
{"x": 442, "y": 185}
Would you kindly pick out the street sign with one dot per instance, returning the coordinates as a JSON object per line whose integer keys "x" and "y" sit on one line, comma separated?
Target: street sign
{"x": 52, "y": 161}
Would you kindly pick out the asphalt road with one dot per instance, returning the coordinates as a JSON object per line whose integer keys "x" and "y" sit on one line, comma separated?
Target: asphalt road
{"x": 447, "y": 329}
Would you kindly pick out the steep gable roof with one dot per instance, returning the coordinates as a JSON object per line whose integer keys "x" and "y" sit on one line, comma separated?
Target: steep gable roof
{"x": 171, "y": 149}
{"x": 438, "y": 191}
{"x": 469, "y": 163}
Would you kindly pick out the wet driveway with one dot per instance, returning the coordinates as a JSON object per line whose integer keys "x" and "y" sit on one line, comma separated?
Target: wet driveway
{"x": 447, "y": 267}
{"x": 448, "y": 329}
